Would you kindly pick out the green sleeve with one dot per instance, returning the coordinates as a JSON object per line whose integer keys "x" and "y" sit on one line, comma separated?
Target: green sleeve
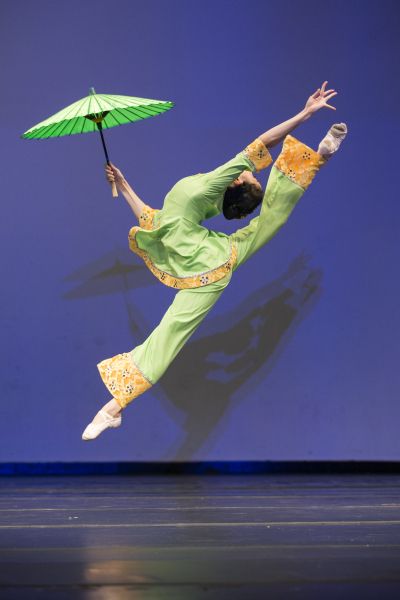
{"x": 254, "y": 157}
{"x": 218, "y": 180}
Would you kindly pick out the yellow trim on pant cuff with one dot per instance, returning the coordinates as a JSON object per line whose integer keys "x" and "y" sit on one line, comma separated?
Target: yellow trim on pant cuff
{"x": 123, "y": 378}
{"x": 299, "y": 162}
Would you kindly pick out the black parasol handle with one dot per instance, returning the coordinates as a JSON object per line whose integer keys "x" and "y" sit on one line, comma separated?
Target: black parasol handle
{"x": 113, "y": 186}
{"x": 100, "y": 128}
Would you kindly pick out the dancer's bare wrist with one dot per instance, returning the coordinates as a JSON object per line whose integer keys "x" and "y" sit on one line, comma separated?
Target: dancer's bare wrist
{"x": 123, "y": 185}
{"x": 305, "y": 114}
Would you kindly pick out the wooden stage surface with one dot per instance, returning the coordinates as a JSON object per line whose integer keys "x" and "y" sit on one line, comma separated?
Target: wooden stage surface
{"x": 189, "y": 537}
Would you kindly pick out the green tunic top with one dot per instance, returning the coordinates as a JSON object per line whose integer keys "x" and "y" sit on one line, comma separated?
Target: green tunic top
{"x": 177, "y": 248}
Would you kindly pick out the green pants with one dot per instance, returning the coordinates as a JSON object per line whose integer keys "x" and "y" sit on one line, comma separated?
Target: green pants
{"x": 287, "y": 182}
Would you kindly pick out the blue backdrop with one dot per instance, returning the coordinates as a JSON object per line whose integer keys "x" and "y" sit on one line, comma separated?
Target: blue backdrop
{"x": 299, "y": 358}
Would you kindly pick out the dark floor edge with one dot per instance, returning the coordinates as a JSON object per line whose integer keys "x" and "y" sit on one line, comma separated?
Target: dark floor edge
{"x": 198, "y": 468}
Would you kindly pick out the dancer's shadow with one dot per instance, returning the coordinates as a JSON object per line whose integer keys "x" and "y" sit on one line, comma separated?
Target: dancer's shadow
{"x": 235, "y": 353}
{"x": 110, "y": 274}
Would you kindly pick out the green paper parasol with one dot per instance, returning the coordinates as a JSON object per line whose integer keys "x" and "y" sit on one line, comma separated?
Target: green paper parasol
{"x": 95, "y": 113}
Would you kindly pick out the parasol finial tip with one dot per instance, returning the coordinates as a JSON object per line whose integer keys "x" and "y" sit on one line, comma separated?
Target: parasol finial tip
{"x": 92, "y": 90}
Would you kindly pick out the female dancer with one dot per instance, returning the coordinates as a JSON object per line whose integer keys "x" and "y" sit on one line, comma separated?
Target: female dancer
{"x": 199, "y": 262}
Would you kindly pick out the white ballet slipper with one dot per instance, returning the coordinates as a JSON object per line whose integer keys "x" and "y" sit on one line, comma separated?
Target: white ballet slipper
{"x": 331, "y": 142}
{"x": 94, "y": 429}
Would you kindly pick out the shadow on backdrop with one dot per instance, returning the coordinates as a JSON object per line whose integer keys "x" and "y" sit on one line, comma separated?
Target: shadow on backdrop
{"x": 110, "y": 274}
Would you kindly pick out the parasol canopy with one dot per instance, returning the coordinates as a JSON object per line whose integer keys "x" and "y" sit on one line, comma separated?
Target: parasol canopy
{"x": 95, "y": 113}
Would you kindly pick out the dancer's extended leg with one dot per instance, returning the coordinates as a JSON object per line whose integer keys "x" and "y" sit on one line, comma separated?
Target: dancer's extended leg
{"x": 129, "y": 374}
{"x": 182, "y": 318}
{"x": 291, "y": 174}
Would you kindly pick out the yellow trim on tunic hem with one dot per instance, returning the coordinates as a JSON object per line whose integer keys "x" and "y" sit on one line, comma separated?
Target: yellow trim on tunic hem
{"x": 185, "y": 282}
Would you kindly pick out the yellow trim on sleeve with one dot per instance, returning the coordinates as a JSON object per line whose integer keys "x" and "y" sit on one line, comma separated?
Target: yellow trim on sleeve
{"x": 258, "y": 154}
{"x": 147, "y": 217}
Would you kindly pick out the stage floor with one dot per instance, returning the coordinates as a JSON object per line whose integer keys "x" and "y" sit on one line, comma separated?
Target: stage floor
{"x": 191, "y": 537}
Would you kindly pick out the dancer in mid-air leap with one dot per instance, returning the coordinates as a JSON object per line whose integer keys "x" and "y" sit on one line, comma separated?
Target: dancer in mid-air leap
{"x": 199, "y": 262}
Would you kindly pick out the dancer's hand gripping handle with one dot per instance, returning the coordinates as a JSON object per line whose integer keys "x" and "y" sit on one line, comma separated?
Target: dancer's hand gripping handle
{"x": 114, "y": 177}
{"x": 114, "y": 190}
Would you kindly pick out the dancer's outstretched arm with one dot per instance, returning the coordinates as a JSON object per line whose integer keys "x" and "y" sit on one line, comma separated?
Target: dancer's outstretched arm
{"x": 224, "y": 175}
{"x": 114, "y": 175}
{"x": 317, "y": 100}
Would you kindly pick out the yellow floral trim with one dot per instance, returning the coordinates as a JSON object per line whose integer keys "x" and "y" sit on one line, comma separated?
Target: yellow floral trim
{"x": 259, "y": 154}
{"x": 299, "y": 162}
{"x": 123, "y": 378}
{"x": 146, "y": 218}
{"x": 181, "y": 283}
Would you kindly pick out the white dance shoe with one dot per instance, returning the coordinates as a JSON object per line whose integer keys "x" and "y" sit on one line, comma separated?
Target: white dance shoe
{"x": 93, "y": 430}
{"x": 331, "y": 142}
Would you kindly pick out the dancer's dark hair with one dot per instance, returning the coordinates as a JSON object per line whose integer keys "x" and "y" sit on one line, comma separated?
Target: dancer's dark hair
{"x": 241, "y": 200}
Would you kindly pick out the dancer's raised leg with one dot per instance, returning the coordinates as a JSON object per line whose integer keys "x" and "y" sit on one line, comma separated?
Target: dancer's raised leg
{"x": 291, "y": 175}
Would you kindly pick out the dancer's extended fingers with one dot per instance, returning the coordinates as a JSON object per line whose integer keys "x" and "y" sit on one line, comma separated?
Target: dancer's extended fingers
{"x": 315, "y": 94}
{"x": 329, "y": 106}
{"x": 330, "y": 96}
{"x": 323, "y": 86}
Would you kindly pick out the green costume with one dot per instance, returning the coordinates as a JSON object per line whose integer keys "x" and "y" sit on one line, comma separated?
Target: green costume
{"x": 184, "y": 255}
